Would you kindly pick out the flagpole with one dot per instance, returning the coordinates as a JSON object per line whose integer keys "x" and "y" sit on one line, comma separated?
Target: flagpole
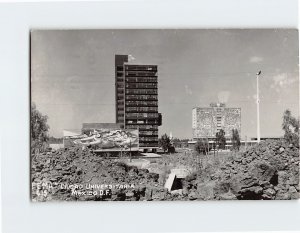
{"x": 257, "y": 106}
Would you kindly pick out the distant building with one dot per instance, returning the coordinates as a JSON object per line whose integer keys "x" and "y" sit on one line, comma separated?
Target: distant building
{"x": 207, "y": 121}
{"x": 268, "y": 138}
{"x": 137, "y": 101}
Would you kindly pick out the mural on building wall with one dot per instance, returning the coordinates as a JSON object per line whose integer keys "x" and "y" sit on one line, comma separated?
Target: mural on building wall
{"x": 112, "y": 139}
{"x": 232, "y": 118}
{"x": 207, "y": 121}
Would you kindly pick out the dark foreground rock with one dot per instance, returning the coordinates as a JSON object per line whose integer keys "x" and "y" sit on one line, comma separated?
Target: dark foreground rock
{"x": 76, "y": 174}
{"x": 268, "y": 171}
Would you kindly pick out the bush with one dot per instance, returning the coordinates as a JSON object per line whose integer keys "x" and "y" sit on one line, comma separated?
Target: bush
{"x": 290, "y": 125}
{"x": 38, "y": 130}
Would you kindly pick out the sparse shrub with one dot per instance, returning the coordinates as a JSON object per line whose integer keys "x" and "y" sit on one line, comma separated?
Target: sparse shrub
{"x": 290, "y": 125}
{"x": 235, "y": 138}
{"x": 38, "y": 130}
{"x": 165, "y": 143}
{"x": 220, "y": 139}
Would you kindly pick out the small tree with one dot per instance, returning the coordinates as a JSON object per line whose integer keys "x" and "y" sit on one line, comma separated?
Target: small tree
{"x": 165, "y": 143}
{"x": 220, "y": 139}
{"x": 235, "y": 138}
{"x": 290, "y": 126}
{"x": 206, "y": 145}
{"x": 38, "y": 130}
{"x": 200, "y": 147}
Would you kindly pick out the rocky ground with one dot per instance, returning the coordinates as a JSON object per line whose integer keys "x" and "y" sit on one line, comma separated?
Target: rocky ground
{"x": 72, "y": 174}
{"x": 268, "y": 171}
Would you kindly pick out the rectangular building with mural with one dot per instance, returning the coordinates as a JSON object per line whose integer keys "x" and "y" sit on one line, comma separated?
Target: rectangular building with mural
{"x": 207, "y": 121}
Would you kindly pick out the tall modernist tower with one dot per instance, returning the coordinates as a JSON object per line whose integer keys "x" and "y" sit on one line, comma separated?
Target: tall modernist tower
{"x": 136, "y": 100}
{"x": 207, "y": 121}
{"x": 119, "y": 83}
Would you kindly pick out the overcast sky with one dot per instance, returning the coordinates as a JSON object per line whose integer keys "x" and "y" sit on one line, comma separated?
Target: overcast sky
{"x": 73, "y": 74}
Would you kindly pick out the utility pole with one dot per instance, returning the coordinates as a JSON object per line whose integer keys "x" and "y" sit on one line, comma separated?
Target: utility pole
{"x": 257, "y": 106}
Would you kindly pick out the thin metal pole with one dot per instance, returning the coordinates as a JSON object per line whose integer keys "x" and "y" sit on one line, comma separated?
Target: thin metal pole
{"x": 257, "y": 105}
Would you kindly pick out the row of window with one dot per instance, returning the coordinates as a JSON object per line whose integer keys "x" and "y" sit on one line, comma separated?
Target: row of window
{"x": 154, "y": 127}
{"x": 141, "y": 92}
{"x": 119, "y": 75}
{"x": 120, "y": 119}
{"x": 142, "y": 121}
{"x": 143, "y": 132}
{"x": 141, "y": 97}
{"x": 141, "y": 109}
{"x": 141, "y": 67}
{"x": 141, "y": 79}
{"x": 142, "y": 73}
{"x": 119, "y": 68}
{"x": 148, "y": 139}
{"x": 141, "y": 85}
{"x": 142, "y": 115}
{"x": 142, "y": 127}
{"x": 148, "y": 144}
{"x": 141, "y": 103}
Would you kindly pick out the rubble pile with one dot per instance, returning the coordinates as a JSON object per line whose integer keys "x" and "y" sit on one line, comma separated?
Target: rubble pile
{"x": 55, "y": 175}
{"x": 267, "y": 171}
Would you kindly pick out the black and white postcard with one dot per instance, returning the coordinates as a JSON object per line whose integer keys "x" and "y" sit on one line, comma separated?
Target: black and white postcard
{"x": 164, "y": 114}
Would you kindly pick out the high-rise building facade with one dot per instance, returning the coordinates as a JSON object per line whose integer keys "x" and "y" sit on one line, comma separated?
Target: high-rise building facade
{"x": 207, "y": 121}
{"x": 137, "y": 100}
{"x": 120, "y": 60}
